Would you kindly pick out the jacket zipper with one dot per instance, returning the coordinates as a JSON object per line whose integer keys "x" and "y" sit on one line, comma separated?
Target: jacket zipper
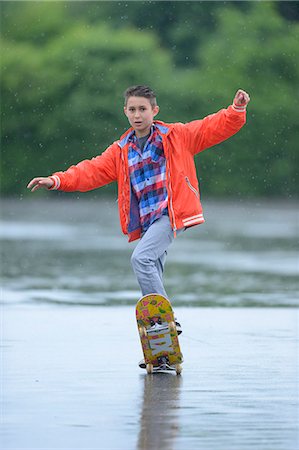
{"x": 170, "y": 203}
{"x": 169, "y": 190}
{"x": 192, "y": 187}
{"x": 123, "y": 192}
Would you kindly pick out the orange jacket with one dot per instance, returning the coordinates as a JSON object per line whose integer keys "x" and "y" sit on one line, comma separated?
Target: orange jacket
{"x": 181, "y": 142}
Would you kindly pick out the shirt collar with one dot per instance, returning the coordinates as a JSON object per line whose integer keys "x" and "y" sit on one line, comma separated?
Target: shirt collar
{"x": 160, "y": 127}
{"x": 132, "y": 135}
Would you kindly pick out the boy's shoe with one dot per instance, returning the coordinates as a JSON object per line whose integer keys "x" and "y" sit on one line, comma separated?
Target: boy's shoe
{"x": 142, "y": 364}
{"x": 178, "y": 327}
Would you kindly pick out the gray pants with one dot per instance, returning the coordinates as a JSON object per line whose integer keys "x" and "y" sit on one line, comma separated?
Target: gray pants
{"x": 149, "y": 256}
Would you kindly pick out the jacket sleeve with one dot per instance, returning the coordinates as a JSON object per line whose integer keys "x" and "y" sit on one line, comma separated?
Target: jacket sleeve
{"x": 89, "y": 174}
{"x": 213, "y": 129}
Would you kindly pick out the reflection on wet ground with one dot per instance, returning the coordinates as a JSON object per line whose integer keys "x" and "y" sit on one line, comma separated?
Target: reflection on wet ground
{"x": 159, "y": 418}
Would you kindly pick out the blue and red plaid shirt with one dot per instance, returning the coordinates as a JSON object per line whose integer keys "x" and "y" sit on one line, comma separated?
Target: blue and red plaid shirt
{"x": 147, "y": 170}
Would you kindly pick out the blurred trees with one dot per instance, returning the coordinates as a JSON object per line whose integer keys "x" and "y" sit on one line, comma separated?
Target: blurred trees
{"x": 260, "y": 51}
{"x": 65, "y": 65}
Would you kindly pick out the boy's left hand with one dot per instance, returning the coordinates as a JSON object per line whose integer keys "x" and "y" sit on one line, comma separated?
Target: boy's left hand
{"x": 241, "y": 98}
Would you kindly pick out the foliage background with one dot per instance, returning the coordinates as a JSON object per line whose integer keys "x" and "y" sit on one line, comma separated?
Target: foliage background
{"x": 65, "y": 65}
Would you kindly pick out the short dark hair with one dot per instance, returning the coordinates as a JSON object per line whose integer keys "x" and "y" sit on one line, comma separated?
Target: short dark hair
{"x": 141, "y": 91}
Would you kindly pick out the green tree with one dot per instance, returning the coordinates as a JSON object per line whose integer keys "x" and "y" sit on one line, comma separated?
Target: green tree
{"x": 180, "y": 25}
{"x": 259, "y": 52}
{"x": 59, "y": 99}
{"x": 64, "y": 66}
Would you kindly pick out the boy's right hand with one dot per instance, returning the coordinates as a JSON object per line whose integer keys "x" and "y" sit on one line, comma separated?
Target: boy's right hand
{"x": 40, "y": 183}
{"x": 241, "y": 98}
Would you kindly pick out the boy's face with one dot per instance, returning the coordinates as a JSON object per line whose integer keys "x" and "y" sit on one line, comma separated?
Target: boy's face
{"x": 140, "y": 114}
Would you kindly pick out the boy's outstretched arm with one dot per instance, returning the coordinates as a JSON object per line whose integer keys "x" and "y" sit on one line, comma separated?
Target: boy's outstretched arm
{"x": 84, "y": 176}
{"x": 40, "y": 183}
{"x": 220, "y": 126}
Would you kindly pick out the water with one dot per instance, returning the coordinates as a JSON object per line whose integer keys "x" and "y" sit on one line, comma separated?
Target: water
{"x": 70, "y": 346}
{"x": 73, "y": 252}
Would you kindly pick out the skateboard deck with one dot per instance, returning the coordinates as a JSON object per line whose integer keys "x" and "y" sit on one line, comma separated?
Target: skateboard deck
{"x": 158, "y": 334}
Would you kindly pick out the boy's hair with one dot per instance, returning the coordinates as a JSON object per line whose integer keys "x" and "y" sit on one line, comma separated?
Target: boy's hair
{"x": 141, "y": 91}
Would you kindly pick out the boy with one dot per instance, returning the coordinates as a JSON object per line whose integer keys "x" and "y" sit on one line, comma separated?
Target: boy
{"x": 153, "y": 163}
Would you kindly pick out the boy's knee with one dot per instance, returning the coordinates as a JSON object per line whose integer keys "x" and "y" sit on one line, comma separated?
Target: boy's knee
{"x": 138, "y": 261}
{"x": 135, "y": 260}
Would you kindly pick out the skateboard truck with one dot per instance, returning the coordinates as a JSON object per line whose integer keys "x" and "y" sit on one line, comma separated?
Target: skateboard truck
{"x": 157, "y": 327}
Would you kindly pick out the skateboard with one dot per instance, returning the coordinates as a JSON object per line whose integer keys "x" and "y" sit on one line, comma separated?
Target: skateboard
{"x": 158, "y": 334}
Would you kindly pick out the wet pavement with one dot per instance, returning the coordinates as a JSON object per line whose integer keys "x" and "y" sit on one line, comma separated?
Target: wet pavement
{"x": 70, "y": 380}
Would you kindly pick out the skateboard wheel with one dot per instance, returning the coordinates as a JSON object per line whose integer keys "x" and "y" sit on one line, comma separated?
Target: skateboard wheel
{"x": 149, "y": 368}
{"x": 172, "y": 326}
{"x": 142, "y": 331}
{"x": 178, "y": 369}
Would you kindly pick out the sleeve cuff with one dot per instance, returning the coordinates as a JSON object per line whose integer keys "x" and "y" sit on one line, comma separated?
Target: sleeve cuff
{"x": 239, "y": 108}
{"x": 56, "y": 181}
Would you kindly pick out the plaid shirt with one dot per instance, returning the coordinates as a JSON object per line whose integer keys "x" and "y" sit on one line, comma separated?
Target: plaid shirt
{"x": 147, "y": 170}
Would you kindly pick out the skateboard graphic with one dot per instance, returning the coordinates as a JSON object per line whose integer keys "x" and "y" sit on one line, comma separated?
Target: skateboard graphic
{"x": 158, "y": 334}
